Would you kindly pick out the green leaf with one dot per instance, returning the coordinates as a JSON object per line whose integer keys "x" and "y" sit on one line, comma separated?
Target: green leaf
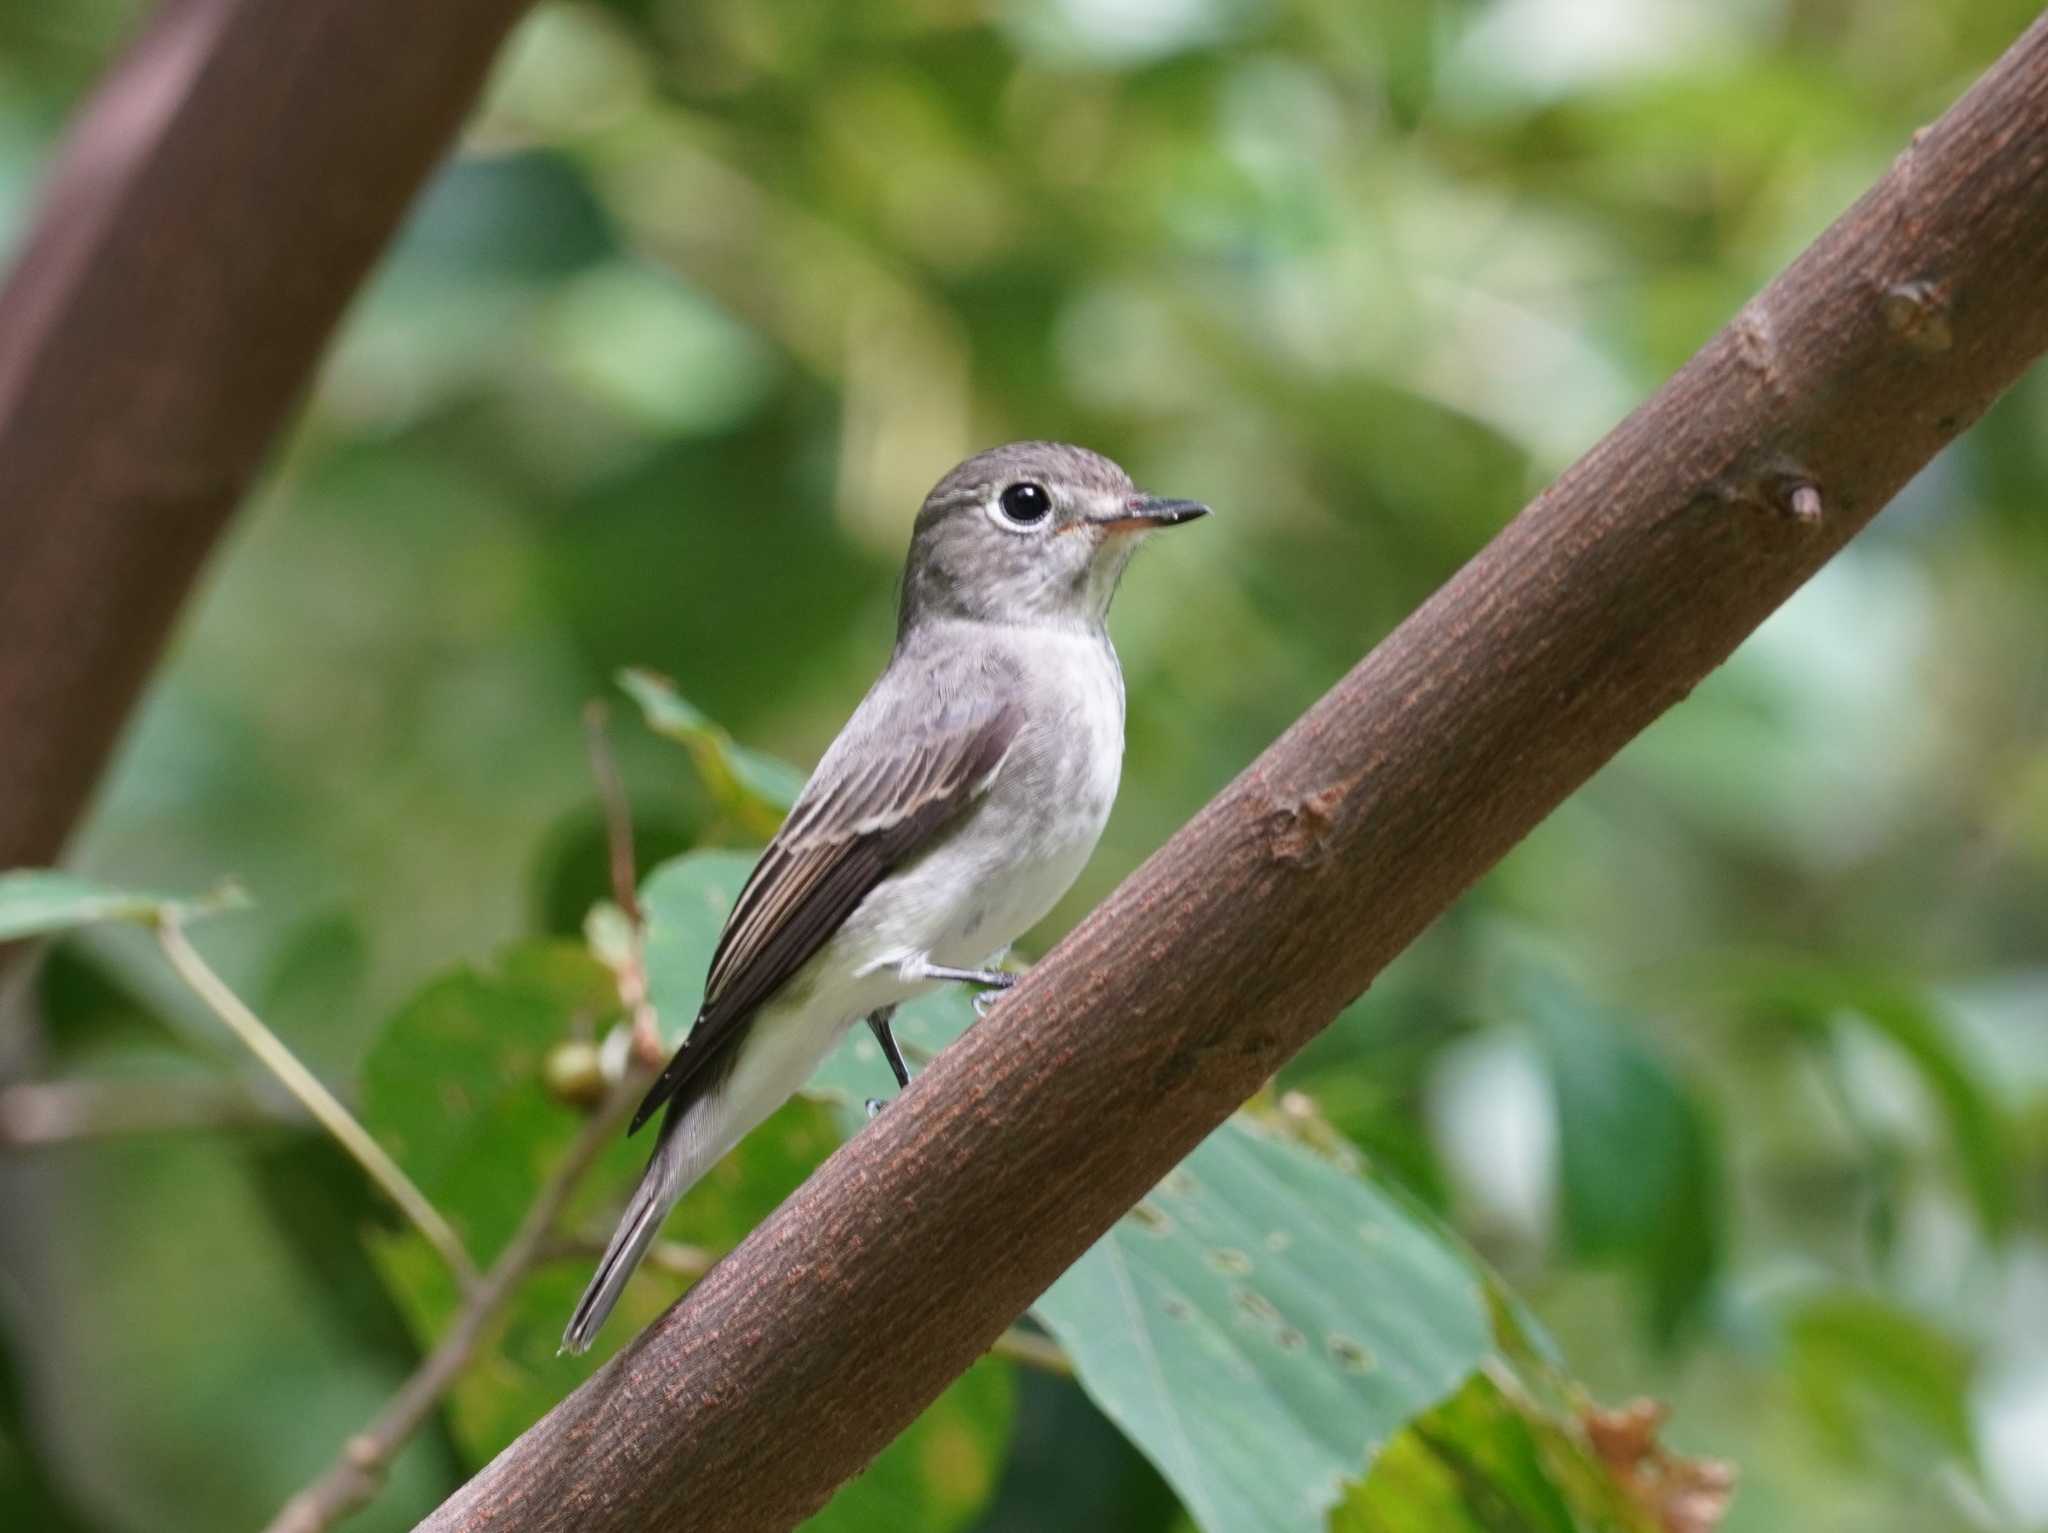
{"x": 452, "y": 1086}
{"x": 1263, "y": 1323}
{"x": 1487, "y": 1461}
{"x": 684, "y": 902}
{"x": 1817, "y": 996}
{"x": 35, "y": 902}
{"x": 755, "y": 789}
{"x": 1883, "y": 1384}
{"x": 1639, "y": 1172}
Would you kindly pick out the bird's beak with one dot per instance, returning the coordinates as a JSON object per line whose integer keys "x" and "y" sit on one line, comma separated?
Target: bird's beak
{"x": 1144, "y": 513}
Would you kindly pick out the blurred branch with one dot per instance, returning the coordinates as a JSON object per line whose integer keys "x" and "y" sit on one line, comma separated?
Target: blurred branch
{"x": 62, "y": 1112}
{"x": 355, "y": 1476}
{"x": 1593, "y": 612}
{"x": 211, "y": 214}
{"x": 326, "y": 1109}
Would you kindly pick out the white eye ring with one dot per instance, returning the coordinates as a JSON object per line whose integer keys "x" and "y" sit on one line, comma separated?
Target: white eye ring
{"x": 1023, "y": 505}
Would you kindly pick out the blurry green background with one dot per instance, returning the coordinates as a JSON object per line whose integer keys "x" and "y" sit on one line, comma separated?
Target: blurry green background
{"x": 657, "y": 374}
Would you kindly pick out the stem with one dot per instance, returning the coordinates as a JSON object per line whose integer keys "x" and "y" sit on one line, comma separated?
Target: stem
{"x": 326, "y": 1109}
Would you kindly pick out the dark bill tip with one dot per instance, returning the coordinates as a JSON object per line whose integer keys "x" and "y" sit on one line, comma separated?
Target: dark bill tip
{"x": 1166, "y": 512}
{"x": 1144, "y": 512}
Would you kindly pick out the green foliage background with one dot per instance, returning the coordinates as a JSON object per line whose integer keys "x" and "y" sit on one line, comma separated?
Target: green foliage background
{"x": 1735, "y": 1070}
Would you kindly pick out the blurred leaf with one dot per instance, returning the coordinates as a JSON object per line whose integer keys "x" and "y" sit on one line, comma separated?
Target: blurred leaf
{"x": 231, "y": 1376}
{"x": 572, "y": 868}
{"x": 754, "y": 789}
{"x": 1262, "y": 1324}
{"x": 1882, "y": 1384}
{"x": 1069, "y": 1467}
{"x": 1819, "y": 996}
{"x": 1639, "y": 1172}
{"x": 319, "y": 1207}
{"x": 316, "y": 980}
{"x": 526, "y": 215}
{"x": 453, "y": 1088}
{"x": 941, "y": 1472}
{"x": 36, "y": 903}
{"x": 30, "y": 1496}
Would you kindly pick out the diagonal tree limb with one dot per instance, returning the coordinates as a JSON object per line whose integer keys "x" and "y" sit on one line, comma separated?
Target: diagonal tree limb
{"x": 798, "y": 1357}
{"x": 219, "y": 201}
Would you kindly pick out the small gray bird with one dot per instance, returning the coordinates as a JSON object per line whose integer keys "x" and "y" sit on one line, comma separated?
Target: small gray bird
{"x": 959, "y": 802}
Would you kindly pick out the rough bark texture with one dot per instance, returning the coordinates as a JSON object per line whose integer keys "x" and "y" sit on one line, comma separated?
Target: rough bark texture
{"x": 788, "y": 1367}
{"x": 215, "y": 207}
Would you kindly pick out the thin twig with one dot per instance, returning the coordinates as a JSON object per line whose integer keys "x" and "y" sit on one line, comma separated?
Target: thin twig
{"x": 63, "y": 1112}
{"x": 324, "y": 1106}
{"x": 618, "y": 811}
{"x": 354, "y": 1477}
{"x": 631, "y": 970}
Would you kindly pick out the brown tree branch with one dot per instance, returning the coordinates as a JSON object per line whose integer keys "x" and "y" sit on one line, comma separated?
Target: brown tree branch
{"x": 1599, "y": 607}
{"x": 215, "y": 207}
{"x": 1033, "y": 1349}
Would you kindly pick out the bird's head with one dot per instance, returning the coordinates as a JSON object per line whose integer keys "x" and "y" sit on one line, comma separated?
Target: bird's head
{"x": 1035, "y": 533}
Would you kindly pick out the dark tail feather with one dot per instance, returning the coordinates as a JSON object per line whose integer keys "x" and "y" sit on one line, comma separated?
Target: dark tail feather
{"x": 661, "y": 1185}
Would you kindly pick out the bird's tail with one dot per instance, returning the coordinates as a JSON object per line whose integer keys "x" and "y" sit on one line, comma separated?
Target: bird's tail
{"x": 670, "y": 1171}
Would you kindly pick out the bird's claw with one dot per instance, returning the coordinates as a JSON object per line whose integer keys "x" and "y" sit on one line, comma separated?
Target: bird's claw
{"x": 984, "y": 1000}
{"x": 875, "y": 1105}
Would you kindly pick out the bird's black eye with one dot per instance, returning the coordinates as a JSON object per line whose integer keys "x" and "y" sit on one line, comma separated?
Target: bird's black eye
{"x": 1026, "y": 504}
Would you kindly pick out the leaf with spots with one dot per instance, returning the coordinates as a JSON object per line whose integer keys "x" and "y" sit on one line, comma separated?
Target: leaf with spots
{"x": 1263, "y": 1323}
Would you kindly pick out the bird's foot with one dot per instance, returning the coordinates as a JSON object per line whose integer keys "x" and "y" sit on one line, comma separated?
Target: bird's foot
{"x": 999, "y": 983}
{"x": 875, "y": 1105}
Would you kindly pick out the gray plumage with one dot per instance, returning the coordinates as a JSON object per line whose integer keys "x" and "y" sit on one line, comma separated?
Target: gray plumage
{"x": 957, "y": 805}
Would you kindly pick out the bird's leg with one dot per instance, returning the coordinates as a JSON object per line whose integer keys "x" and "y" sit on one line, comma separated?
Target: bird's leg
{"x": 994, "y": 981}
{"x": 878, "y": 1024}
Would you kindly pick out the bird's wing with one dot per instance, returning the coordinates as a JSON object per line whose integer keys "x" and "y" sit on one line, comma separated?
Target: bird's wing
{"x": 848, "y": 830}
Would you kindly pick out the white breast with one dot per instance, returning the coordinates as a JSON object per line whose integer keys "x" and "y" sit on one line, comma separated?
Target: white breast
{"x": 1025, "y": 842}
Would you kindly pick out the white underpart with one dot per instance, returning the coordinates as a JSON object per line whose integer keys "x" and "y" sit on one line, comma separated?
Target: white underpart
{"x": 960, "y": 905}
